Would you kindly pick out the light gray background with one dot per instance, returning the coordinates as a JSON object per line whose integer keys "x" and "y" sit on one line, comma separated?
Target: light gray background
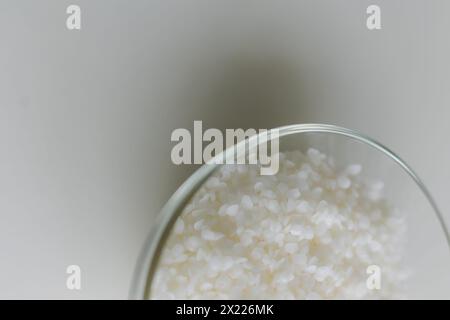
{"x": 86, "y": 116}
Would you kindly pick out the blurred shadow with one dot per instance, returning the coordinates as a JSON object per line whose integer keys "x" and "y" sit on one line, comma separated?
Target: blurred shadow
{"x": 252, "y": 92}
{"x": 242, "y": 90}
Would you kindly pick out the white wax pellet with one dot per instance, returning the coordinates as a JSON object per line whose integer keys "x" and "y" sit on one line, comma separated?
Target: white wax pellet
{"x": 308, "y": 232}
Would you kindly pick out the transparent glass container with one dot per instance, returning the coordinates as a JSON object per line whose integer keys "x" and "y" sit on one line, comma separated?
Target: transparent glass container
{"x": 427, "y": 251}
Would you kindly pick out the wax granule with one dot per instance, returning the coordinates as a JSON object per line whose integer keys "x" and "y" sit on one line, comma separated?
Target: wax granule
{"x": 308, "y": 232}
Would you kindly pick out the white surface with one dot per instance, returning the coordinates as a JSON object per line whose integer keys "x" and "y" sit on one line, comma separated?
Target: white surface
{"x": 86, "y": 116}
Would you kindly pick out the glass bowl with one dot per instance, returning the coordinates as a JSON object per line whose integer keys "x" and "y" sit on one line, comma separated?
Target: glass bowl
{"x": 427, "y": 251}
